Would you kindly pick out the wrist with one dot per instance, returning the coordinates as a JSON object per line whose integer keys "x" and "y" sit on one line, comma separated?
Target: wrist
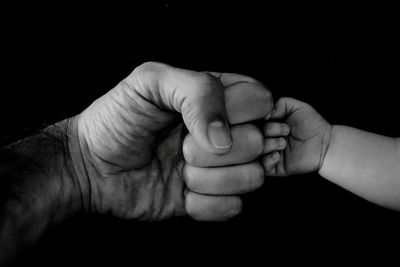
{"x": 79, "y": 194}
{"x": 65, "y": 176}
{"x": 326, "y": 144}
{"x": 38, "y": 186}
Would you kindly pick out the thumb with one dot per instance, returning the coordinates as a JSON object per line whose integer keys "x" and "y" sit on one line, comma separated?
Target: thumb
{"x": 286, "y": 106}
{"x": 198, "y": 96}
{"x": 203, "y": 111}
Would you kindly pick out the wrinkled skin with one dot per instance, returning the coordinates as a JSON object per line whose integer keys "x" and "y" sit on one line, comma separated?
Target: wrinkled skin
{"x": 131, "y": 143}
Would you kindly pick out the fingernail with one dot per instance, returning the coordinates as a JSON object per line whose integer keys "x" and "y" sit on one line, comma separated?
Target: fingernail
{"x": 268, "y": 116}
{"x": 218, "y": 135}
{"x": 282, "y": 142}
{"x": 285, "y": 129}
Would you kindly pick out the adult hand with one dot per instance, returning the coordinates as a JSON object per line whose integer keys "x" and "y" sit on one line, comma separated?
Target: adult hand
{"x": 130, "y": 141}
{"x": 308, "y": 136}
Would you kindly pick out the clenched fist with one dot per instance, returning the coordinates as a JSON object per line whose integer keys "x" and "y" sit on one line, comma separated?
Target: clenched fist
{"x": 131, "y": 140}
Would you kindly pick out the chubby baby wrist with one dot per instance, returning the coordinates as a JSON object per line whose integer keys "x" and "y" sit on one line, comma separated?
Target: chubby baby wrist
{"x": 326, "y": 144}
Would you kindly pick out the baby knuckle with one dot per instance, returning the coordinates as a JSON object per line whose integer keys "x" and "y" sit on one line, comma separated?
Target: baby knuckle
{"x": 268, "y": 127}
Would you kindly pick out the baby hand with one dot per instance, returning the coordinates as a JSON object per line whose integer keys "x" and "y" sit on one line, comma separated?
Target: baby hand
{"x": 306, "y": 141}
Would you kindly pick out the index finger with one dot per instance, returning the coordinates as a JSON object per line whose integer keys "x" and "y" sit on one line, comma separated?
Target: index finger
{"x": 246, "y": 99}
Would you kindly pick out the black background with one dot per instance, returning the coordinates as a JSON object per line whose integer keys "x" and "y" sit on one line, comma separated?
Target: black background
{"x": 339, "y": 58}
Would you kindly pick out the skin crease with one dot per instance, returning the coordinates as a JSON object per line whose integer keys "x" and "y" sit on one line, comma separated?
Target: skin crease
{"x": 248, "y": 143}
{"x": 223, "y": 182}
{"x": 307, "y": 141}
{"x": 123, "y": 154}
{"x": 136, "y": 173}
{"x": 364, "y": 163}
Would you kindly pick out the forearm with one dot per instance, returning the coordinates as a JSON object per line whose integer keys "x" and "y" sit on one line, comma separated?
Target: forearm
{"x": 38, "y": 186}
{"x": 364, "y": 163}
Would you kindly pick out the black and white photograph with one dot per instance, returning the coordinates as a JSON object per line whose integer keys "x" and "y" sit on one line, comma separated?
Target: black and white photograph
{"x": 173, "y": 133}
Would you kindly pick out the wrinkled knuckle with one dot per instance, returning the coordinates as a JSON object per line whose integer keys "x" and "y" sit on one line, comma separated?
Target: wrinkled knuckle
{"x": 204, "y": 83}
{"x": 150, "y": 67}
{"x": 149, "y": 72}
